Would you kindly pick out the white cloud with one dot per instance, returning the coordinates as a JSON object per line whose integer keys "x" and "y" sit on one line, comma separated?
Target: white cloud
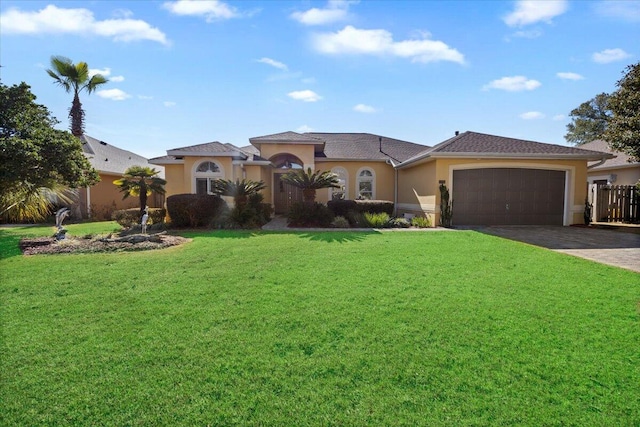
{"x": 531, "y": 11}
{"x": 363, "y": 108}
{"x": 570, "y": 76}
{"x": 274, "y": 63}
{"x": 336, "y": 10}
{"x": 352, "y": 40}
{"x": 304, "y": 95}
{"x": 304, "y": 128}
{"x": 532, "y": 115}
{"x": 626, "y": 10}
{"x": 105, "y": 72}
{"x": 169, "y": 104}
{"x": 609, "y": 55}
{"x": 559, "y": 117}
{"x": 513, "y": 84}
{"x": 113, "y": 94}
{"x": 212, "y": 10}
{"x": 54, "y": 20}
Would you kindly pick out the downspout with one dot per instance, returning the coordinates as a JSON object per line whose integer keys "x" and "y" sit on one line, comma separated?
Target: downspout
{"x": 395, "y": 187}
{"x": 89, "y": 202}
{"x": 597, "y": 164}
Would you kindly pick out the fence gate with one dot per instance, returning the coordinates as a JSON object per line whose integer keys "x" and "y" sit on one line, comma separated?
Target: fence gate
{"x": 615, "y": 203}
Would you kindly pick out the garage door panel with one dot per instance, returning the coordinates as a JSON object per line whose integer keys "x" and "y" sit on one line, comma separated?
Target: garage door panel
{"x": 508, "y": 196}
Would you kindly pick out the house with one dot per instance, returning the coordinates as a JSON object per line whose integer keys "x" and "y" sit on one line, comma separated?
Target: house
{"x": 492, "y": 179}
{"x": 618, "y": 170}
{"x": 101, "y": 199}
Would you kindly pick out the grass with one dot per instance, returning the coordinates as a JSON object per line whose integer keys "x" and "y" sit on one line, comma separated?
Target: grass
{"x": 301, "y": 329}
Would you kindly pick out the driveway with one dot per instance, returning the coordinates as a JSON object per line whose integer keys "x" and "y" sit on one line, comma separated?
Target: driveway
{"x": 615, "y": 248}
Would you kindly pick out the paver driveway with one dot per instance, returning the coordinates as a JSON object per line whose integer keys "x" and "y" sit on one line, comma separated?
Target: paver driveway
{"x": 605, "y": 246}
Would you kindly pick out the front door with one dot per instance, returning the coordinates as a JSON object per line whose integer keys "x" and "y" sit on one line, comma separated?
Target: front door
{"x": 284, "y": 194}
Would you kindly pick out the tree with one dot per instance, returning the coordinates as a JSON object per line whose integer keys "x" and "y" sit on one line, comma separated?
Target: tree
{"x": 623, "y": 133}
{"x": 589, "y": 120}
{"x": 141, "y": 182}
{"x": 310, "y": 181}
{"x": 36, "y": 161}
{"x": 74, "y": 78}
{"x": 239, "y": 190}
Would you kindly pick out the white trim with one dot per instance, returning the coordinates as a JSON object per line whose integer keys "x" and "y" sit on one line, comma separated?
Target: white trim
{"x": 195, "y": 175}
{"x": 335, "y": 170}
{"x": 373, "y": 181}
{"x": 89, "y": 202}
{"x": 569, "y": 180}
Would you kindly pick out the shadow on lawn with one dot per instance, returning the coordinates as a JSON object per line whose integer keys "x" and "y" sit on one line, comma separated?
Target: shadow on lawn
{"x": 9, "y": 244}
{"x": 336, "y": 236}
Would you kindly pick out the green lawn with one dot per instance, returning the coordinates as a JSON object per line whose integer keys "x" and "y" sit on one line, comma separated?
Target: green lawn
{"x": 343, "y": 328}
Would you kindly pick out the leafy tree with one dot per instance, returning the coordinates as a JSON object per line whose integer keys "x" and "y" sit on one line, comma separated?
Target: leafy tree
{"x": 589, "y": 120}
{"x": 140, "y": 181}
{"x": 74, "y": 78}
{"x": 36, "y": 160}
{"x": 623, "y": 133}
{"x": 310, "y": 181}
{"x": 239, "y": 190}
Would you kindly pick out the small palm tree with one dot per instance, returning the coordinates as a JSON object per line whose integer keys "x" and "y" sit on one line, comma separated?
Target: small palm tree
{"x": 239, "y": 190}
{"x": 140, "y": 181}
{"x": 310, "y": 181}
{"x": 74, "y": 78}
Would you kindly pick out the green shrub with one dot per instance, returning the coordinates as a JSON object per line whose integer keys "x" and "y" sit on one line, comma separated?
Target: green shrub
{"x": 131, "y": 217}
{"x": 194, "y": 210}
{"x": 375, "y": 206}
{"x": 253, "y": 214}
{"x": 356, "y": 219}
{"x": 421, "y": 222}
{"x": 340, "y": 222}
{"x": 399, "y": 223}
{"x": 377, "y": 220}
{"x": 341, "y": 207}
{"x": 309, "y": 215}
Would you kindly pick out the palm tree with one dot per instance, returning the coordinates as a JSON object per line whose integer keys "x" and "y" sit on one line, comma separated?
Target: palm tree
{"x": 74, "y": 78}
{"x": 310, "y": 181}
{"x": 140, "y": 181}
{"x": 239, "y": 190}
{"x": 27, "y": 202}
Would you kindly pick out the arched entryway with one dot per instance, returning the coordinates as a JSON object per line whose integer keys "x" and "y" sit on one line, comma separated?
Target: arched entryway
{"x": 284, "y": 194}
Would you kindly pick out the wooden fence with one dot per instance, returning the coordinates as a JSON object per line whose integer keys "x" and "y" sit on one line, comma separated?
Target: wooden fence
{"x": 616, "y": 203}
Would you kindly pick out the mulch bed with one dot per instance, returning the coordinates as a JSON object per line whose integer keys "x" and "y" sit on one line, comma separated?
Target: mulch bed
{"x": 49, "y": 245}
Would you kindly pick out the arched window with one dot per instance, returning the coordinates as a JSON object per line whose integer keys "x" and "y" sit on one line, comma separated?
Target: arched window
{"x": 343, "y": 181}
{"x": 205, "y": 173}
{"x": 286, "y": 161}
{"x": 366, "y": 185}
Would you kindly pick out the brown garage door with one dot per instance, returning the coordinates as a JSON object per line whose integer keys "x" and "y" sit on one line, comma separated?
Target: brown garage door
{"x": 508, "y": 196}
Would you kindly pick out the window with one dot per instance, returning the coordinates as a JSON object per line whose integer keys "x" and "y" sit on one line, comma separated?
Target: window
{"x": 205, "y": 173}
{"x": 342, "y": 192}
{"x": 286, "y": 161}
{"x": 366, "y": 184}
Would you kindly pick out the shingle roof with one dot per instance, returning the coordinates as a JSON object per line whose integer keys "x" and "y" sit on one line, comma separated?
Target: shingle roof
{"x": 622, "y": 159}
{"x": 473, "y": 143}
{"x": 107, "y": 158}
{"x": 206, "y": 148}
{"x": 286, "y": 137}
{"x": 366, "y": 146}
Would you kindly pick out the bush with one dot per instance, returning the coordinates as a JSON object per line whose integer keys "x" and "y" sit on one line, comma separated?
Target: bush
{"x": 309, "y": 215}
{"x": 342, "y": 207}
{"x": 194, "y": 210}
{"x": 356, "y": 219}
{"x": 340, "y": 222}
{"x": 377, "y": 220}
{"x": 421, "y": 222}
{"x": 399, "y": 223}
{"x": 130, "y": 217}
{"x": 254, "y": 214}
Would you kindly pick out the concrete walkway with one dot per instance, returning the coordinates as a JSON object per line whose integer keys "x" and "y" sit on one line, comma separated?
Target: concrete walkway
{"x": 610, "y": 247}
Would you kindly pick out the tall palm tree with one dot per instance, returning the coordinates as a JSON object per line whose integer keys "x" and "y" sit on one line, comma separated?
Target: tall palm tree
{"x": 140, "y": 181}
{"x": 74, "y": 78}
{"x": 310, "y": 181}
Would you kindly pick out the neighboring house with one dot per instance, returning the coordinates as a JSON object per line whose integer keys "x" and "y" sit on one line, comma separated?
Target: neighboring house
{"x": 101, "y": 199}
{"x": 618, "y": 171}
{"x": 492, "y": 179}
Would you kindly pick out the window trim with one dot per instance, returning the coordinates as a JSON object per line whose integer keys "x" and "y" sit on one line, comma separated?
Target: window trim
{"x": 195, "y": 175}
{"x": 336, "y": 170}
{"x": 360, "y": 179}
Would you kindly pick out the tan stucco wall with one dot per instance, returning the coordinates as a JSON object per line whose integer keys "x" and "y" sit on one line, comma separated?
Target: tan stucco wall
{"x": 104, "y": 198}
{"x": 414, "y": 192}
{"x": 384, "y": 179}
{"x": 625, "y": 176}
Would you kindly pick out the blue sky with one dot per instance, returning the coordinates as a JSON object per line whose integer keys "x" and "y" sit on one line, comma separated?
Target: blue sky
{"x": 189, "y": 72}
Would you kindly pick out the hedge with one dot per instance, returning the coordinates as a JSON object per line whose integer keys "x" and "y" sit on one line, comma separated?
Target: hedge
{"x": 131, "y": 217}
{"x": 194, "y": 210}
{"x": 343, "y": 207}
